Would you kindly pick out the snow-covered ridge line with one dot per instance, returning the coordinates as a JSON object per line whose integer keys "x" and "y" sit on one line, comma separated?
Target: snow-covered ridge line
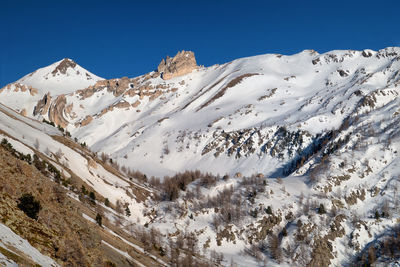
{"x": 184, "y": 116}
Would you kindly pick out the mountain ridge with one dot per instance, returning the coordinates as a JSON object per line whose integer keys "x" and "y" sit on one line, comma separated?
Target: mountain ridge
{"x": 154, "y": 101}
{"x": 297, "y": 158}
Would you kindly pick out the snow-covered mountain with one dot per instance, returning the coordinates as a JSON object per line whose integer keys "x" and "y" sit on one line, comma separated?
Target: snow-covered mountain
{"x": 225, "y": 118}
{"x": 309, "y": 144}
{"x": 61, "y": 77}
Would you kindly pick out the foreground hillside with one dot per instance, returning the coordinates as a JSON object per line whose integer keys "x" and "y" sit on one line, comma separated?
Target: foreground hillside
{"x": 73, "y": 188}
{"x": 271, "y": 160}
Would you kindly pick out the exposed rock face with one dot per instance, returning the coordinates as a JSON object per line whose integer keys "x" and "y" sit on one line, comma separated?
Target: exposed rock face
{"x": 105, "y": 110}
{"x": 43, "y": 105}
{"x": 136, "y": 103}
{"x": 63, "y": 66}
{"x": 68, "y": 111}
{"x": 33, "y": 91}
{"x": 88, "y": 119}
{"x": 122, "y": 85}
{"x": 122, "y": 104}
{"x": 116, "y": 86}
{"x": 20, "y": 87}
{"x": 181, "y": 64}
{"x": 56, "y": 111}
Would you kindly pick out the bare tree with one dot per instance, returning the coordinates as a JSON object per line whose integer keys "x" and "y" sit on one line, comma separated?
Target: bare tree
{"x": 36, "y": 144}
{"x": 371, "y": 255}
{"x": 59, "y": 153}
{"x": 275, "y": 248}
{"x": 385, "y": 209}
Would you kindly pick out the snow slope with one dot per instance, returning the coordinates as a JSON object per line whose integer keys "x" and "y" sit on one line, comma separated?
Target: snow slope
{"x": 317, "y": 129}
{"x": 61, "y": 77}
{"x": 228, "y": 118}
{"x": 354, "y": 180}
{"x": 28, "y": 135}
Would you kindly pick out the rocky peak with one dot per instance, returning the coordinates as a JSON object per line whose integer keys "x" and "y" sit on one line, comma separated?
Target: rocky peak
{"x": 63, "y": 66}
{"x": 181, "y": 64}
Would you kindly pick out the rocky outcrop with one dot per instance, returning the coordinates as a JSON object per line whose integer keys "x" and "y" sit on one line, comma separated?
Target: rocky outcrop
{"x": 122, "y": 85}
{"x": 116, "y": 86}
{"x": 43, "y": 105}
{"x": 122, "y": 104}
{"x": 136, "y": 103}
{"x": 20, "y": 87}
{"x": 68, "y": 111}
{"x": 56, "y": 111}
{"x": 105, "y": 110}
{"x": 63, "y": 66}
{"x": 181, "y": 64}
{"x": 88, "y": 119}
{"x": 33, "y": 91}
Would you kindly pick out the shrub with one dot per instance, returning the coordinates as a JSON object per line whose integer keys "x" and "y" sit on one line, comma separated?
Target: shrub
{"x": 99, "y": 219}
{"x": 377, "y": 215}
{"x": 92, "y": 197}
{"x": 268, "y": 210}
{"x": 254, "y": 213}
{"x": 321, "y": 209}
{"x": 49, "y": 122}
{"x": 284, "y": 232}
{"x": 127, "y": 212}
{"x": 39, "y": 164}
{"x": 29, "y": 205}
{"x": 107, "y": 202}
{"x": 4, "y": 142}
{"x": 83, "y": 190}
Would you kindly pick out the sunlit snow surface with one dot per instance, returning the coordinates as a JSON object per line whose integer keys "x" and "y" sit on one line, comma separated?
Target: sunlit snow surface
{"x": 314, "y": 93}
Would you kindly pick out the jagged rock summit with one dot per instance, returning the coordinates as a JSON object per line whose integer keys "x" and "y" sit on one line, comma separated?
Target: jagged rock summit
{"x": 63, "y": 66}
{"x": 63, "y": 76}
{"x": 45, "y": 84}
{"x": 181, "y": 64}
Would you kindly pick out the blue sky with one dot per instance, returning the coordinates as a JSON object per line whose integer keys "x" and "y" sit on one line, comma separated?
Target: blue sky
{"x": 128, "y": 38}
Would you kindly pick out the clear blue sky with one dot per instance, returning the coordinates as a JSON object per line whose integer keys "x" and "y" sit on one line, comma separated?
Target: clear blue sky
{"x": 128, "y": 38}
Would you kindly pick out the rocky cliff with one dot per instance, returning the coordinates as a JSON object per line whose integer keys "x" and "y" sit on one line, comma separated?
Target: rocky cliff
{"x": 184, "y": 62}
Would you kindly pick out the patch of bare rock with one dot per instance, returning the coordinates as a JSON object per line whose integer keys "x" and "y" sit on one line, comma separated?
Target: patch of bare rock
{"x": 184, "y": 62}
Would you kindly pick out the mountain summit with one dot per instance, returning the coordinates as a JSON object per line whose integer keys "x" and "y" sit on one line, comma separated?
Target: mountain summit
{"x": 237, "y": 114}
{"x": 61, "y": 77}
{"x": 63, "y": 66}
